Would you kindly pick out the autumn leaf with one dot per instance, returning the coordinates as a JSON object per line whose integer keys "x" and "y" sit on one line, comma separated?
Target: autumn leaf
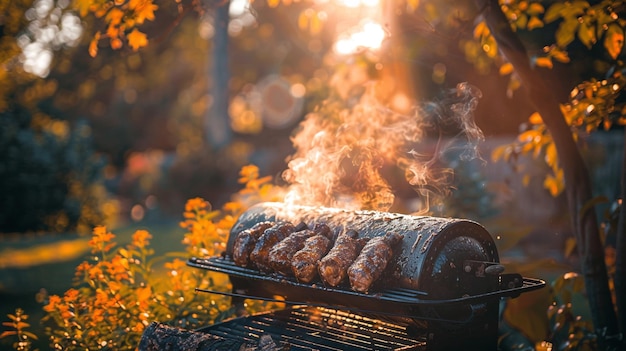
{"x": 303, "y": 20}
{"x": 413, "y": 4}
{"x": 528, "y": 136}
{"x": 506, "y": 69}
{"x": 115, "y": 16}
{"x": 543, "y": 62}
{"x": 116, "y": 43}
{"x": 501, "y": 152}
{"x": 535, "y": 9}
{"x": 144, "y": 10}
{"x": 93, "y": 45}
{"x": 481, "y": 29}
{"x": 137, "y": 39}
{"x": 551, "y": 157}
{"x": 535, "y": 118}
{"x": 316, "y": 25}
{"x": 534, "y": 22}
{"x": 82, "y": 6}
{"x": 560, "y": 56}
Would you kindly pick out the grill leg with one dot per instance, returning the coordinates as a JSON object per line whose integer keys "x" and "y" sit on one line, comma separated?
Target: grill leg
{"x": 480, "y": 334}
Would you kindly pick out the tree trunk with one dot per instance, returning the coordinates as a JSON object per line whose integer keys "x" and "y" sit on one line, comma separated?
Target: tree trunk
{"x": 620, "y": 250}
{"x": 218, "y": 132}
{"x": 577, "y": 182}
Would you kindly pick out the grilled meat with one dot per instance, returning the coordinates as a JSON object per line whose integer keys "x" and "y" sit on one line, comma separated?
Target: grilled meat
{"x": 271, "y": 236}
{"x": 323, "y": 229}
{"x": 304, "y": 262}
{"x": 372, "y": 261}
{"x": 245, "y": 242}
{"x": 281, "y": 254}
{"x": 332, "y": 268}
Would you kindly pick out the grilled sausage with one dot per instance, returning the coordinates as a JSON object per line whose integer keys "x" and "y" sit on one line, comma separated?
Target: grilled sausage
{"x": 271, "y": 236}
{"x": 372, "y": 261}
{"x": 304, "y": 262}
{"x": 332, "y": 268}
{"x": 245, "y": 242}
{"x": 281, "y": 254}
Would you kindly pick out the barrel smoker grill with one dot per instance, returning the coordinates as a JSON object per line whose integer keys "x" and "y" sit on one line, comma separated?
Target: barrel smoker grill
{"x": 441, "y": 291}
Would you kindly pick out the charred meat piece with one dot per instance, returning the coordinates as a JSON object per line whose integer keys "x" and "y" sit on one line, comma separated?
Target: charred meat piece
{"x": 304, "y": 262}
{"x": 323, "y": 229}
{"x": 281, "y": 254}
{"x": 271, "y": 236}
{"x": 245, "y": 242}
{"x": 332, "y": 268}
{"x": 372, "y": 261}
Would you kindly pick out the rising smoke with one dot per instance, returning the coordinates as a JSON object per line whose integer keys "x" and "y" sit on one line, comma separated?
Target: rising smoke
{"x": 343, "y": 152}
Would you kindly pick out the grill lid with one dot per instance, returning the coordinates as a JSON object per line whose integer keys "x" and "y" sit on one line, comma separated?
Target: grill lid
{"x": 429, "y": 258}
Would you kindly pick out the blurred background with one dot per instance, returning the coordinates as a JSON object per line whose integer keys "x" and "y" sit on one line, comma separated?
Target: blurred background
{"x": 123, "y": 137}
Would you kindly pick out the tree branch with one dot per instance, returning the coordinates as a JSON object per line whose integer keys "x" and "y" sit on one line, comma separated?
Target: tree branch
{"x": 577, "y": 182}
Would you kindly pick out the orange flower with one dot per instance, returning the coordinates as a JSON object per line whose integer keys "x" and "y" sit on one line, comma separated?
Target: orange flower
{"x": 82, "y": 270}
{"x": 71, "y": 295}
{"x": 117, "y": 268}
{"x": 114, "y": 286}
{"x": 196, "y": 204}
{"x": 95, "y": 272}
{"x": 101, "y": 297}
{"x": 175, "y": 264}
{"x": 52, "y": 303}
{"x": 100, "y": 239}
{"x": 141, "y": 238}
{"x": 143, "y": 297}
{"x": 97, "y": 316}
{"x": 65, "y": 312}
{"x": 248, "y": 173}
{"x": 138, "y": 328}
{"x": 233, "y": 207}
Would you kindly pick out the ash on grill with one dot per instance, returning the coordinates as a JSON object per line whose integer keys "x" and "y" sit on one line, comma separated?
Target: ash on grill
{"x": 364, "y": 280}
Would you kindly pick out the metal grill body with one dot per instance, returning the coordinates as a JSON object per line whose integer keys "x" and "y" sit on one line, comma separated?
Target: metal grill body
{"x": 441, "y": 291}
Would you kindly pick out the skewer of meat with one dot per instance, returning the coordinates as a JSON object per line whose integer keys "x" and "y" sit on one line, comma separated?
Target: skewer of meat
{"x": 271, "y": 236}
{"x": 304, "y": 262}
{"x": 245, "y": 242}
{"x": 372, "y": 261}
{"x": 281, "y": 254}
{"x": 332, "y": 268}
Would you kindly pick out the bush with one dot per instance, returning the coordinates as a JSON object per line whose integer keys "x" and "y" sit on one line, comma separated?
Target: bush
{"x": 119, "y": 289}
{"x": 49, "y": 175}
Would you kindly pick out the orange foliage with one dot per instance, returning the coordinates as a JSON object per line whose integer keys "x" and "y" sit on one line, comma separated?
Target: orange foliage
{"x": 121, "y": 19}
{"x": 117, "y": 292}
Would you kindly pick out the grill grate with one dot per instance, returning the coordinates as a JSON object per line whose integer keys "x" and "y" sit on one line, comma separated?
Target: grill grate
{"x": 318, "y": 328}
{"x": 402, "y": 296}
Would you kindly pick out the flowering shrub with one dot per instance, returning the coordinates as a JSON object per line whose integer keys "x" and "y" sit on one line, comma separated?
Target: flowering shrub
{"x": 118, "y": 291}
{"x": 17, "y": 327}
